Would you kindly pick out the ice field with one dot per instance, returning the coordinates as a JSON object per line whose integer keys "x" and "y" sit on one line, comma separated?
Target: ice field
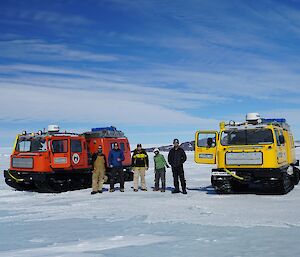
{"x": 142, "y": 224}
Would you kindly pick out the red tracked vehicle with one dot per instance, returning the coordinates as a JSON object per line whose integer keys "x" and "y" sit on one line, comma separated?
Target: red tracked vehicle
{"x": 56, "y": 161}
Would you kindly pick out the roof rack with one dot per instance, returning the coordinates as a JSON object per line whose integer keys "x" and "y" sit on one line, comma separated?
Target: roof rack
{"x": 104, "y": 132}
{"x": 280, "y": 122}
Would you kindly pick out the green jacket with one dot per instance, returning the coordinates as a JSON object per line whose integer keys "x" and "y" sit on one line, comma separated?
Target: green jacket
{"x": 159, "y": 161}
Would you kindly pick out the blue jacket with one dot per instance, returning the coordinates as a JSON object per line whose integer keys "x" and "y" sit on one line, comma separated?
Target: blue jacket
{"x": 113, "y": 156}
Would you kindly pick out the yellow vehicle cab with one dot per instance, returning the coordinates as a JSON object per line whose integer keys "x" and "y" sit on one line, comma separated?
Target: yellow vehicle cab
{"x": 251, "y": 154}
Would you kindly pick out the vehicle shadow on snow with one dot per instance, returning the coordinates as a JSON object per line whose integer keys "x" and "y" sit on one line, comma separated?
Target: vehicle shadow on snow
{"x": 208, "y": 189}
{"x": 251, "y": 190}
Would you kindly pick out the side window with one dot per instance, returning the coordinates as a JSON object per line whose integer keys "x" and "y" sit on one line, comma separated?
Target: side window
{"x": 60, "y": 146}
{"x": 24, "y": 146}
{"x": 76, "y": 146}
{"x": 202, "y": 139}
{"x": 281, "y": 134}
{"x": 122, "y": 147}
{"x": 277, "y": 137}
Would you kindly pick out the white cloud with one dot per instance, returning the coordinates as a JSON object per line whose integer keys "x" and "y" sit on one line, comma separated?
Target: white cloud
{"x": 41, "y": 50}
{"x": 46, "y": 104}
{"x": 137, "y": 86}
{"x": 49, "y": 17}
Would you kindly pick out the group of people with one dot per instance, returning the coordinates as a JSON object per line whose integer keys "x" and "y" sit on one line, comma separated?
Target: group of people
{"x": 140, "y": 164}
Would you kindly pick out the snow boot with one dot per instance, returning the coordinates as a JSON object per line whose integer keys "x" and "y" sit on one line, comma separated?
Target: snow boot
{"x": 94, "y": 192}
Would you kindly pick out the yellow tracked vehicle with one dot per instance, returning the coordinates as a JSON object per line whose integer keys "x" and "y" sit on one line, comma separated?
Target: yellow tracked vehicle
{"x": 258, "y": 153}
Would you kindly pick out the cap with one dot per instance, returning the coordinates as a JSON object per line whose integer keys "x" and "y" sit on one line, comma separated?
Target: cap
{"x": 155, "y": 150}
{"x": 175, "y": 141}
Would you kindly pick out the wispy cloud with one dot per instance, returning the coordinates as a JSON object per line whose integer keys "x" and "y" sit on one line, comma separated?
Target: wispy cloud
{"x": 29, "y": 15}
{"x": 40, "y": 104}
{"x": 97, "y": 81}
{"x": 37, "y": 49}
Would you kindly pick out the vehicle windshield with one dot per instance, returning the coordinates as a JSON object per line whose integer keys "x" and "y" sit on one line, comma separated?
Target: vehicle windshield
{"x": 247, "y": 137}
{"x": 31, "y": 144}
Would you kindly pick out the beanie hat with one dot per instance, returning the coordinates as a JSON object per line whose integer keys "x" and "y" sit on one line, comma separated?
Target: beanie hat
{"x": 175, "y": 141}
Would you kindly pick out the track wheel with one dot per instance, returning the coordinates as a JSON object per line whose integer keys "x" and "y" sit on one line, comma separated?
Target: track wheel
{"x": 19, "y": 186}
{"x": 296, "y": 175}
{"x": 285, "y": 184}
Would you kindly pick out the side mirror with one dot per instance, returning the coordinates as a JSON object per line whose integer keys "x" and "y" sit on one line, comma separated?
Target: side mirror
{"x": 209, "y": 142}
{"x": 281, "y": 139}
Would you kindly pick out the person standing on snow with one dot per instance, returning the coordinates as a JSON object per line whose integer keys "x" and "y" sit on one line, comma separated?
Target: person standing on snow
{"x": 115, "y": 158}
{"x": 140, "y": 163}
{"x": 99, "y": 166}
{"x": 160, "y": 165}
{"x": 176, "y": 158}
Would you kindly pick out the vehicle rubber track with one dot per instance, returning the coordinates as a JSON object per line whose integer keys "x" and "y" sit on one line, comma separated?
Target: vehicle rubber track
{"x": 63, "y": 184}
{"x": 283, "y": 185}
{"x": 20, "y": 186}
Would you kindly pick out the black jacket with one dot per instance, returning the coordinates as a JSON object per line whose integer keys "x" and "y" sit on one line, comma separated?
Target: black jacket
{"x": 176, "y": 158}
{"x": 140, "y": 159}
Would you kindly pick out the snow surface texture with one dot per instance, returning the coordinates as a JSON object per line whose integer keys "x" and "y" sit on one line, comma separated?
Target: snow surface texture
{"x": 201, "y": 223}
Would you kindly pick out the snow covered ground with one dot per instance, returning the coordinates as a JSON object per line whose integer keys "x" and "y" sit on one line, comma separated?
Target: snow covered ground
{"x": 131, "y": 224}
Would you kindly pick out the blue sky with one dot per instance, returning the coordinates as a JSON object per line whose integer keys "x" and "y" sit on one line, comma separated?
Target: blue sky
{"x": 156, "y": 69}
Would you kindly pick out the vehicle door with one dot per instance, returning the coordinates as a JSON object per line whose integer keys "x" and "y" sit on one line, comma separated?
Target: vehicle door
{"x": 281, "y": 150}
{"x": 124, "y": 146}
{"x": 60, "y": 153}
{"x": 206, "y": 147}
{"x": 77, "y": 156}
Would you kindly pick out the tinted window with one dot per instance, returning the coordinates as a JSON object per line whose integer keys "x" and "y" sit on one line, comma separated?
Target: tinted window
{"x": 60, "y": 146}
{"x": 202, "y": 139}
{"x": 277, "y": 137}
{"x": 247, "y": 137}
{"x": 122, "y": 147}
{"x": 76, "y": 146}
{"x": 34, "y": 144}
